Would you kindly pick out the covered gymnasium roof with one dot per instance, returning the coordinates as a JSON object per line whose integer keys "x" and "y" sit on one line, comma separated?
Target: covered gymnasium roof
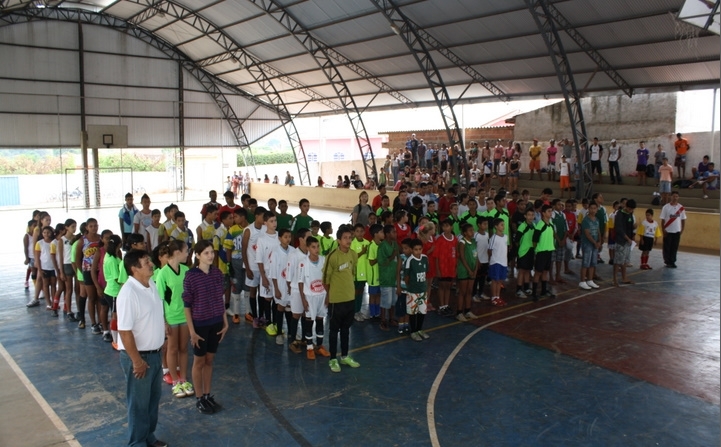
{"x": 485, "y": 50}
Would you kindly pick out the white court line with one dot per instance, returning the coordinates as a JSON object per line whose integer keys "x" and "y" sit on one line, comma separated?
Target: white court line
{"x": 431, "y": 402}
{"x": 69, "y": 438}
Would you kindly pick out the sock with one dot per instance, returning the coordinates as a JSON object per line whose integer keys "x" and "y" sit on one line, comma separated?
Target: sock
{"x": 544, "y": 286}
{"x": 81, "y": 308}
{"x": 277, "y": 318}
{"x": 413, "y": 322}
{"x": 292, "y": 326}
{"x": 308, "y": 332}
{"x": 253, "y": 306}
{"x": 319, "y": 332}
{"x": 166, "y": 371}
{"x": 419, "y": 321}
{"x": 535, "y": 287}
{"x": 518, "y": 287}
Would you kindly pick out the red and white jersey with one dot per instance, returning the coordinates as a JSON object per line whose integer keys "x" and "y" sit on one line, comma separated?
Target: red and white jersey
{"x": 264, "y": 245}
{"x": 310, "y": 274}
{"x": 253, "y": 244}
{"x": 294, "y": 260}
{"x": 278, "y": 264}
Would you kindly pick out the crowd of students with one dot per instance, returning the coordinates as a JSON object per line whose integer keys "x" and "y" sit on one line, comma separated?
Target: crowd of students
{"x": 293, "y": 276}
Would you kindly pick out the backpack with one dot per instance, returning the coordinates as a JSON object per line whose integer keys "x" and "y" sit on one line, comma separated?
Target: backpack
{"x": 656, "y": 201}
{"x": 650, "y": 171}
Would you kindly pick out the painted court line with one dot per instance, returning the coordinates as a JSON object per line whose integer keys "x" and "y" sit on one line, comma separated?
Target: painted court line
{"x": 430, "y": 404}
{"x": 69, "y": 438}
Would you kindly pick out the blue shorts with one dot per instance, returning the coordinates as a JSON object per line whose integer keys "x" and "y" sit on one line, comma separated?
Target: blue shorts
{"x": 374, "y": 290}
{"x": 389, "y": 297}
{"x": 498, "y": 272}
{"x": 590, "y": 256}
{"x": 665, "y": 186}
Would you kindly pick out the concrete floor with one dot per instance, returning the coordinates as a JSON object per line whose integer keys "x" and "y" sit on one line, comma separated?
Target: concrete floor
{"x": 637, "y": 365}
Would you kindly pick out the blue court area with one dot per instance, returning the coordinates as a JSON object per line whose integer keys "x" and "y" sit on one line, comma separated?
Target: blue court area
{"x": 503, "y": 388}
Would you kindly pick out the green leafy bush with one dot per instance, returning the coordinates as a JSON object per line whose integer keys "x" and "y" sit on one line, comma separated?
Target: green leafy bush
{"x": 267, "y": 158}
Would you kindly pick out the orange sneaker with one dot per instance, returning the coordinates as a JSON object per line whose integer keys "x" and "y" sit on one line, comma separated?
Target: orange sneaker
{"x": 310, "y": 353}
{"x": 249, "y": 317}
{"x": 236, "y": 319}
{"x": 322, "y": 351}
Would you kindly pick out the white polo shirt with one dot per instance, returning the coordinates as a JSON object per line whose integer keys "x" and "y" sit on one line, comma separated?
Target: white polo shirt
{"x": 140, "y": 310}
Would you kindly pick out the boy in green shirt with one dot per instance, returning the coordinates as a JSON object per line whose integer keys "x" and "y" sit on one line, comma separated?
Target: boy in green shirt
{"x": 415, "y": 269}
{"x": 360, "y": 246}
{"x": 526, "y": 254}
{"x": 374, "y": 289}
{"x": 544, "y": 245}
{"x": 285, "y": 220}
{"x": 327, "y": 242}
{"x": 302, "y": 220}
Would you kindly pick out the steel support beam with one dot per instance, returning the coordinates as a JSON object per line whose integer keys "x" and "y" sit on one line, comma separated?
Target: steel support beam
{"x": 209, "y": 82}
{"x": 181, "y": 131}
{"x": 547, "y": 28}
{"x": 321, "y": 54}
{"x": 257, "y": 69}
{"x": 418, "y": 47}
{"x": 588, "y": 49}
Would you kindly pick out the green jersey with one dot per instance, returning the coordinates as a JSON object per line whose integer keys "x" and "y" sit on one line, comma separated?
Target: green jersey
{"x": 543, "y": 236}
{"x": 472, "y": 219}
{"x": 456, "y": 224}
{"x": 79, "y": 274}
{"x": 524, "y": 238}
{"x": 433, "y": 217}
{"x": 327, "y": 245}
{"x": 388, "y": 263}
{"x": 414, "y": 271}
{"x": 363, "y": 266}
{"x": 560, "y": 226}
{"x": 301, "y": 222}
{"x": 382, "y": 210}
{"x": 338, "y": 275}
{"x": 111, "y": 270}
{"x": 503, "y": 215}
{"x": 284, "y": 221}
{"x": 170, "y": 287}
{"x": 470, "y": 254}
{"x": 373, "y": 272}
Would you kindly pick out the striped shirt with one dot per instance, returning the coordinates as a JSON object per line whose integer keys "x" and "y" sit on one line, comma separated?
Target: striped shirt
{"x": 203, "y": 294}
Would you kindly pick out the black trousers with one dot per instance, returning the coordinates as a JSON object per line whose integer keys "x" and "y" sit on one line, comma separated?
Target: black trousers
{"x": 341, "y": 319}
{"x": 670, "y": 247}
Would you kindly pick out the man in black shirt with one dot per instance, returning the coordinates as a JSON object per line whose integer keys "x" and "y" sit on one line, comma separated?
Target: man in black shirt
{"x": 625, "y": 226}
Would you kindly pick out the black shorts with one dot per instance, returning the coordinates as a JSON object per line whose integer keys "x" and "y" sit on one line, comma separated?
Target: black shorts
{"x": 525, "y": 262}
{"x": 48, "y": 273}
{"x": 646, "y": 244}
{"x": 482, "y": 271}
{"x": 543, "y": 261}
{"x": 88, "y": 279}
{"x": 641, "y": 168}
{"x": 211, "y": 339}
{"x": 596, "y": 166}
{"x": 106, "y": 300}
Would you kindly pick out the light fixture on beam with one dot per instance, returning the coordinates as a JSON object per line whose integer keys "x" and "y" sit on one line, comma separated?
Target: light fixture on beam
{"x": 395, "y": 29}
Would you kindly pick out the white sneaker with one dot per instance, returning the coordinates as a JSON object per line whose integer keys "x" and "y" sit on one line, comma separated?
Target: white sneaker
{"x": 705, "y": 196}
{"x": 476, "y": 299}
{"x": 461, "y": 317}
{"x": 584, "y": 285}
{"x": 485, "y": 297}
{"x": 593, "y": 284}
{"x": 358, "y": 317}
{"x": 279, "y": 339}
{"x": 470, "y": 315}
{"x": 520, "y": 294}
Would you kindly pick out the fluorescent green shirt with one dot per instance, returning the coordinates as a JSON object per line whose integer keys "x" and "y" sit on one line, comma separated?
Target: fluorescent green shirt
{"x": 373, "y": 272}
{"x": 338, "y": 275}
{"x": 363, "y": 266}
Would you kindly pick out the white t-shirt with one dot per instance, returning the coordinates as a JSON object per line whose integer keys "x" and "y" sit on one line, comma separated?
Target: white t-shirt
{"x": 140, "y": 310}
{"x": 502, "y": 168}
{"x": 499, "y": 250}
{"x": 152, "y": 236}
{"x": 564, "y": 169}
{"x": 253, "y": 245}
{"x": 613, "y": 152}
{"x": 310, "y": 274}
{"x": 482, "y": 247}
{"x": 47, "y": 251}
{"x": 67, "y": 249}
{"x": 670, "y": 211}
{"x": 294, "y": 260}
{"x": 279, "y": 266}
{"x": 474, "y": 174}
{"x": 595, "y": 152}
{"x": 266, "y": 243}
{"x": 142, "y": 220}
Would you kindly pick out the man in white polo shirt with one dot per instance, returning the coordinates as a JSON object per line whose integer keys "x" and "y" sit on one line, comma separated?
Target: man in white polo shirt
{"x": 142, "y": 334}
{"x": 673, "y": 221}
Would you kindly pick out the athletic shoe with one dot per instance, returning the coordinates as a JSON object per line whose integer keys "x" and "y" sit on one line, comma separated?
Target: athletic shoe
{"x": 236, "y": 319}
{"x": 423, "y": 335}
{"x": 27, "y": 285}
{"x": 461, "y": 317}
{"x": 322, "y": 351}
{"x": 167, "y": 379}
{"x": 498, "y": 302}
{"x": 310, "y": 353}
{"x": 33, "y": 303}
{"x": 549, "y": 294}
{"x": 485, "y": 297}
{"x": 249, "y": 317}
{"x": 107, "y": 337}
{"x": 204, "y": 406}
{"x": 81, "y": 324}
{"x": 415, "y": 336}
{"x": 70, "y": 317}
{"x": 97, "y": 329}
{"x": 279, "y": 339}
{"x": 584, "y": 285}
{"x": 528, "y": 292}
{"x": 54, "y": 313}
{"x": 600, "y": 261}
{"x": 520, "y": 294}
{"x": 271, "y": 330}
{"x": 348, "y": 360}
{"x": 188, "y": 388}
{"x": 48, "y": 307}
{"x": 210, "y": 399}
{"x": 476, "y": 299}
{"x": 592, "y": 284}
{"x": 256, "y": 323}
{"x": 295, "y": 347}
{"x": 178, "y": 390}
{"x": 704, "y": 196}
{"x": 262, "y": 322}
{"x": 358, "y": 317}
{"x": 334, "y": 366}
{"x": 449, "y": 312}
{"x": 471, "y": 316}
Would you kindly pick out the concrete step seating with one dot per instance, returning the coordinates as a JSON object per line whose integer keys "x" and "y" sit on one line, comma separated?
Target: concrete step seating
{"x": 692, "y": 199}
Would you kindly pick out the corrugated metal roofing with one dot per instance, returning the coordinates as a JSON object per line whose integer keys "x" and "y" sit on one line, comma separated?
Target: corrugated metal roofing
{"x": 497, "y": 38}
